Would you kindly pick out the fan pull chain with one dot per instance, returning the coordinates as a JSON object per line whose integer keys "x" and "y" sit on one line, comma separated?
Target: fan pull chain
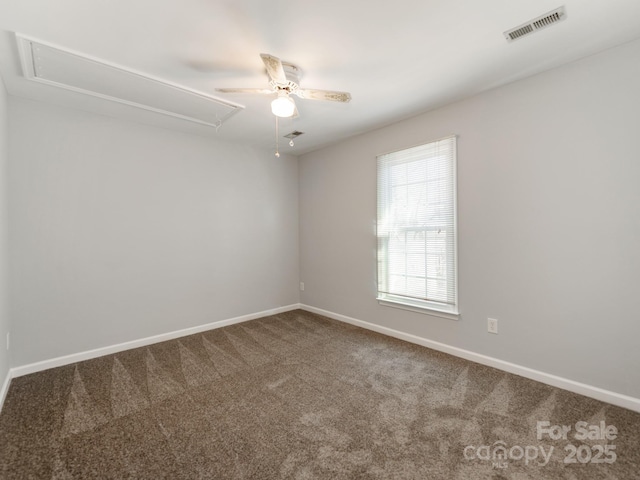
{"x": 277, "y": 152}
{"x": 291, "y": 144}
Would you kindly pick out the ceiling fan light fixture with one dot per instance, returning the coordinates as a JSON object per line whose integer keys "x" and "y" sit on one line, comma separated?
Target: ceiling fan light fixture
{"x": 283, "y": 106}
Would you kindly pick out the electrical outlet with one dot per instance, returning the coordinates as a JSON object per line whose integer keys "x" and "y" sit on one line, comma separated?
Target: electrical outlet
{"x": 492, "y": 325}
{"x": 302, "y": 286}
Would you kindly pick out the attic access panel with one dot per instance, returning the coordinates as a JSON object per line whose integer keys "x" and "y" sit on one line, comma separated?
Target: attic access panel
{"x": 91, "y": 76}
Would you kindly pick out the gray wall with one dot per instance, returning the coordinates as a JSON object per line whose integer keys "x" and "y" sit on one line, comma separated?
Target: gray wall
{"x": 4, "y": 310}
{"x": 120, "y": 231}
{"x": 549, "y": 222}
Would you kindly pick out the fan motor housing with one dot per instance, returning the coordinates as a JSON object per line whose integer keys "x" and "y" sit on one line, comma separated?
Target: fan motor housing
{"x": 293, "y": 75}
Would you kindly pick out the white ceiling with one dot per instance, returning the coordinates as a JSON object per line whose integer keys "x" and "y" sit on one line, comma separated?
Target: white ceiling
{"x": 397, "y": 58}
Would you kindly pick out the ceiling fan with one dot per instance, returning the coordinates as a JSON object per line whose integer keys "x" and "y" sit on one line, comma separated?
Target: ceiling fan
{"x": 284, "y": 79}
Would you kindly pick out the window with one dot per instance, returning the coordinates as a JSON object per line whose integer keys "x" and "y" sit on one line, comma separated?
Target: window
{"x": 416, "y": 228}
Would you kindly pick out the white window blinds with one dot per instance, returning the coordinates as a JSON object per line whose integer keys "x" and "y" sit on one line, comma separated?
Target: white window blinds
{"x": 416, "y": 226}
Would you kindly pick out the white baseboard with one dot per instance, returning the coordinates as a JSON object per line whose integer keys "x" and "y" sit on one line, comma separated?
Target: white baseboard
{"x": 142, "y": 342}
{"x": 613, "y": 398}
{"x": 5, "y": 387}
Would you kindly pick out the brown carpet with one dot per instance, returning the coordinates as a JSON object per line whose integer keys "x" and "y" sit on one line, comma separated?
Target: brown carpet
{"x": 300, "y": 396}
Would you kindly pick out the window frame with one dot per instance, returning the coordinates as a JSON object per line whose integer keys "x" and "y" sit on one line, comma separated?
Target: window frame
{"x": 434, "y": 308}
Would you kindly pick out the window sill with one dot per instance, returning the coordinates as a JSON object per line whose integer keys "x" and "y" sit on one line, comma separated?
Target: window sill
{"x": 423, "y": 309}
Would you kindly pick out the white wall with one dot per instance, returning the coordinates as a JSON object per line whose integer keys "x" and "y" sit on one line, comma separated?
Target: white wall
{"x": 549, "y": 222}
{"x": 120, "y": 231}
{"x": 4, "y": 309}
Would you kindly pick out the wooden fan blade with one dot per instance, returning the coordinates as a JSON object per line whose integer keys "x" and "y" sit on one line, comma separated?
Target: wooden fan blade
{"x": 260, "y": 91}
{"x": 274, "y": 68}
{"x": 324, "y": 95}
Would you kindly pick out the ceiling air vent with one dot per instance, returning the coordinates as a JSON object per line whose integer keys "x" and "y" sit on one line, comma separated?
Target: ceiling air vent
{"x": 536, "y": 24}
{"x": 293, "y": 134}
